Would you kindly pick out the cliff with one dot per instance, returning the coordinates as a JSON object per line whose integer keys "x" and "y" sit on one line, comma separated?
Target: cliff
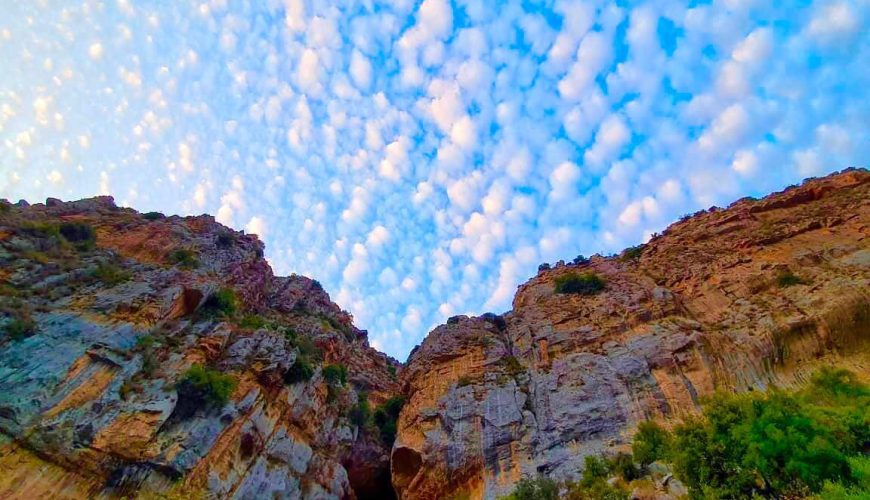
{"x": 741, "y": 298}
{"x": 105, "y": 310}
{"x": 151, "y": 356}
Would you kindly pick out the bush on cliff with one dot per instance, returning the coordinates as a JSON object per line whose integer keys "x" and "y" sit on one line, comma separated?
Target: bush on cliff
{"x": 19, "y": 328}
{"x": 335, "y": 375}
{"x": 81, "y": 235}
{"x": 539, "y": 488}
{"x": 776, "y": 443}
{"x": 582, "y": 284}
{"x": 153, "y": 216}
{"x": 386, "y": 416}
{"x": 301, "y": 371}
{"x": 184, "y": 257}
{"x": 110, "y": 274}
{"x": 202, "y": 387}
{"x": 221, "y": 303}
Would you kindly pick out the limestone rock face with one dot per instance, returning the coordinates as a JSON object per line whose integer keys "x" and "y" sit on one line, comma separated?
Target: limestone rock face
{"x": 89, "y": 400}
{"x": 741, "y": 298}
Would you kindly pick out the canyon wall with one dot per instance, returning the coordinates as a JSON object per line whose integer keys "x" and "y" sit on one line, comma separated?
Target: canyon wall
{"x": 110, "y": 322}
{"x": 760, "y": 293}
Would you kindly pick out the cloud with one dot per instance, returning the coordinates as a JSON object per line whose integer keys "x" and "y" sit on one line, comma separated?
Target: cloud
{"x": 422, "y": 158}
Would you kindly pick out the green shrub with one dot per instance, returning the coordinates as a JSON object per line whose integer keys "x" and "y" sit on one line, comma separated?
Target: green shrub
{"x": 392, "y": 371}
{"x": 632, "y": 253}
{"x": 789, "y": 443}
{"x": 595, "y": 468}
{"x": 226, "y": 239}
{"x": 19, "y": 328}
{"x": 335, "y": 375}
{"x": 624, "y": 466}
{"x": 110, "y": 274}
{"x": 651, "y": 443}
{"x": 512, "y": 366}
{"x": 385, "y": 418}
{"x": 253, "y": 321}
{"x": 184, "y": 257}
{"x": 220, "y": 303}
{"x": 582, "y": 284}
{"x": 787, "y": 278}
{"x": 153, "y": 216}
{"x": 464, "y": 380}
{"x": 41, "y": 229}
{"x": 301, "y": 371}
{"x": 539, "y": 488}
{"x": 361, "y": 414}
{"x": 213, "y": 387}
{"x": 81, "y": 235}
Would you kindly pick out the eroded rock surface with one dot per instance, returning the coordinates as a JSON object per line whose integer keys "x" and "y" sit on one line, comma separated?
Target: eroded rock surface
{"x": 90, "y": 397}
{"x": 760, "y": 293}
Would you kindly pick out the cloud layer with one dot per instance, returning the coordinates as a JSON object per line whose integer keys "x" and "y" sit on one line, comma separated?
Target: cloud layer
{"x": 421, "y": 159}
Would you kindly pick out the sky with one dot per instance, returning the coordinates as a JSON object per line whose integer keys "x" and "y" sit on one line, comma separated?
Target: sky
{"x": 420, "y": 159}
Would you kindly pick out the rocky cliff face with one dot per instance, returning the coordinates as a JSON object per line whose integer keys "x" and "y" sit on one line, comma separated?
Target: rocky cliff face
{"x": 737, "y": 299}
{"x": 105, "y": 309}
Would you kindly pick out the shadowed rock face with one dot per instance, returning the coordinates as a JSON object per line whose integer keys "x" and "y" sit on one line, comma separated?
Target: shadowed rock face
{"x": 104, "y": 411}
{"x": 760, "y": 293}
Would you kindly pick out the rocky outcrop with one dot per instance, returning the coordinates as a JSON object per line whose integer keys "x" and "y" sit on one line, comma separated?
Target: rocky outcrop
{"x": 108, "y": 324}
{"x": 757, "y": 294}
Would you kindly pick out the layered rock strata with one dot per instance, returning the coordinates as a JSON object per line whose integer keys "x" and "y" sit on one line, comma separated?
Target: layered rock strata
{"x": 759, "y": 293}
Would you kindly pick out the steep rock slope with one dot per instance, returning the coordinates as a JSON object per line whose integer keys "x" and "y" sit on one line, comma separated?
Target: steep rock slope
{"x": 105, "y": 310}
{"x": 740, "y": 298}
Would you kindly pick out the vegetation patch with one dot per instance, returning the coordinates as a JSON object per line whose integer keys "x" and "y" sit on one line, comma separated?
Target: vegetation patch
{"x": 581, "y": 284}
{"x": 253, "y": 322}
{"x": 385, "y": 418}
{"x": 19, "y": 327}
{"x": 221, "y": 303}
{"x": 81, "y": 235}
{"x": 184, "y": 257}
{"x": 632, "y": 253}
{"x": 226, "y": 239}
{"x": 786, "y": 279}
{"x": 202, "y": 387}
{"x": 153, "y": 216}
{"x": 110, "y": 274}
{"x": 335, "y": 375}
{"x": 774, "y": 444}
{"x": 301, "y": 371}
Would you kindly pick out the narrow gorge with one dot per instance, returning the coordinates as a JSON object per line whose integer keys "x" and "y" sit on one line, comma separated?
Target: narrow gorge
{"x": 153, "y": 356}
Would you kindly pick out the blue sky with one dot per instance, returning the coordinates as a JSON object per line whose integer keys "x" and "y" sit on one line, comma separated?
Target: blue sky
{"x": 421, "y": 159}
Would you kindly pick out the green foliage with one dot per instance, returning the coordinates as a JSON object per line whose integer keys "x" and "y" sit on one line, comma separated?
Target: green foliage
{"x": 786, "y": 279}
{"x": 221, "y": 303}
{"x": 775, "y": 443}
{"x": 651, "y": 443}
{"x": 153, "y": 215}
{"x": 19, "y": 328}
{"x": 386, "y": 416}
{"x": 335, "y": 375}
{"x": 301, "y": 371}
{"x": 632, "y": 253}
{"x": 253, "y": 321}
{"x": 598, "y": 490}
{"x": 226, "y": 239}
{"x": 110, "y": 274}
{"x": 361, "y": 414}
{"x": 539, "y": 488}
{"x": 184, "y": 257}
{"x": 512, "y": 366}
{"x": 464, "y": 380}
{"x": 214, "y": 387}
{"x": 623, "y": 465}
{"x": 392, "y": 371}
{"x": 595, "y": 469}
{"x": 858, "y": 490}
{"x": 582, "y": 284}
{"x": 81, "y": 235}
{"x": 41, "y": 229}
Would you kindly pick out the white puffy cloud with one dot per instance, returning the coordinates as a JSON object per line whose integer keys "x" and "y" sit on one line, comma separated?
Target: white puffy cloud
{"x": 422, "y": 158}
